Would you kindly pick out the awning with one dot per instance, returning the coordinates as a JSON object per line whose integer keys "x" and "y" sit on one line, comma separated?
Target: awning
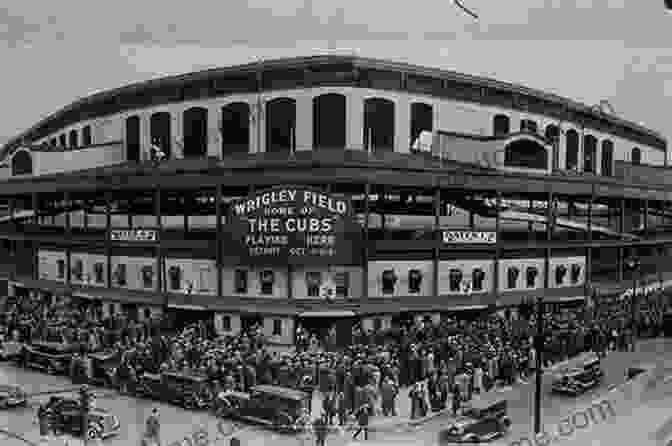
{"x": 334, "y": 313}
{"x": 41, "y": 284}
{"x": 187, "y": 307}
{"x": 118, "y": 295}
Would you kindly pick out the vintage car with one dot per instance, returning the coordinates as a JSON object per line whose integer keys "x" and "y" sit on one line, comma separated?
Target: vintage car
{"x": 12, "y": 396}
{"x": 66, "y": 417}
{"x": 585, "y": 374}
{"x": 281, "y": 408}
{"x": 481, "y": 421}
{"x": 52, "y": 357}
{"x": 188, "y": 391}
{"x": 10, "y": 350}
{"x": 104, "y": 368}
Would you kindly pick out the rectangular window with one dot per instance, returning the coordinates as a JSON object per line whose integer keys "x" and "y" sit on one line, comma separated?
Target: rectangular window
{"x": 266, "y": 280}
{"x": 226, "y": 323}
{"x": 377, "y": 324}
{"x": 277, "y": 327}
{"x": 240, "y": 281}
{"x": 61, "y": 268}
{"x": 147, "y": 273}
{"x": 203, "y": 278}
{"x": 389, "y": 279}
{"x": 78, "y": 270}
{"x": 342, "y": 281}
{"x": 313, "y": 282}
{"x": 175, "y": 277}
{"x": 99, "y": 272}
{"x": 120, "y": 274}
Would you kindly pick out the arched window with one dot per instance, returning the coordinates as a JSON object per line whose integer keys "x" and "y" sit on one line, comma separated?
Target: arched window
{"x": 589, "y": 153}
{"x": 195, "y": 132}
{"x": 572, "y": 150}
{"x": 86, "y": 136}
{"x": 280, "y": 125}
{"x": 422, "y": 119}
{"x": 512, "y": 274}
{"x": 528, "y": 125}
{"x": 329, "y": 121}
{"x": 607, "y": 158}
{"x": 500, "y": 125}
{"x": 636, "y": 156}
{"x": 477, "y": 278}
{"x": 53, "y": 142}
{"x": 73, "y": 139}
{"x": 160, "y": 132}
{"x": 235, "y": 128}
{"x": 531, "y": 274}
{"x": 62, "y": 140}
{"x": 133, "y": 138}
{"x": 22, "y": 163}
{"x": 527, "y": 154}
{"x": 455, "y": 280}
{"x": 552, "y": 133}
{"x": 379, "y": 125}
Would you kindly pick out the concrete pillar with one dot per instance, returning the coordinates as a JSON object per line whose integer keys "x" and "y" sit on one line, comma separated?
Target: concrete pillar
{"x": 177, "y": 131}
{"x": 355, "y": 117}
{"x": 145, "y": 136}
{"x": 402, "y": 126}
{"x": 214, "y": 135}
{"x": 304, "y": 123}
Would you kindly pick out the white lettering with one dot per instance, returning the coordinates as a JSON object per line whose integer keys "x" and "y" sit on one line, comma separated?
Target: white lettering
{"x": 469, "y": 237}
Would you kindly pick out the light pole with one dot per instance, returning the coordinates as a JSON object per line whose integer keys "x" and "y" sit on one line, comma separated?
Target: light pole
{"x": 632, "y": 264}
{"x": 539, "y": 347}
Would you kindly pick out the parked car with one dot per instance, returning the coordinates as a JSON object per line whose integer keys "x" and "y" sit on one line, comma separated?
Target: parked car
{"x": 281, "y": 408}
{"x": 12, "y": 396}
{"x": 54, "y": 358}
{"x": 482, "y": 421}
{"x": 188, "y": 391}
{"x": 67, "y": 418}
{"x": 585, "y": 374}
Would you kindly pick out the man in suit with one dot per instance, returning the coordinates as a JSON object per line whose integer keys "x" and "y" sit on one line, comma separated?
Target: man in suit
{"x": 363, "y": 413}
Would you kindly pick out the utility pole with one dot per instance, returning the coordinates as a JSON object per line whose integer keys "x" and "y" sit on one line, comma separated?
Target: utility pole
{"x": 539, "y": 347}
{"x": 632, "y": 265}
{"x": 85, "y": 402}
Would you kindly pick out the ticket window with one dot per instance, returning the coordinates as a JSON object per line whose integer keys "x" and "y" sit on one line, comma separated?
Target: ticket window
{"x": 414, "y": 281}
{"x": 240, "y": 281}
{"x": 531, "y": 274}
{"x": 560, "y": 273}
{"x": 455, "y": 280}
{"x": 313, "y": 283}
{"x": 266, "y": 281}
{"x": 389, "y": 279}
{"x": 175, "y": 278}
{"x": 575, "y": 273}
{"x": 477, "y": 279}
{"x": 512, "y": 277}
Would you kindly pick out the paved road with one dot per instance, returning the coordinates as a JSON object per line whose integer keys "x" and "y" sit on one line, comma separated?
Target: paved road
{"x": 176, "y": 422}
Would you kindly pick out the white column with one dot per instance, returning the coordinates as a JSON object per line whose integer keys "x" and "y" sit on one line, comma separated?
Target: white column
{"x": 304, "y": 123}
{"x": 355, "y": 117}
{"x": 598, "y": 158}
{"x": 214, "y": 136}
{"x": 177, "y": 133}
{"x": 402, "y": 126}
{"x": 145, "y": 136}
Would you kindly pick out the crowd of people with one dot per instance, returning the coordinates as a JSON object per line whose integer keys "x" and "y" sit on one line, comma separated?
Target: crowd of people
{"x": 439, "y": 362}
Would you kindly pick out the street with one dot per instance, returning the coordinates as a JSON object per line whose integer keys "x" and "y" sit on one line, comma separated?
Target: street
{"x": 177, "y": 423}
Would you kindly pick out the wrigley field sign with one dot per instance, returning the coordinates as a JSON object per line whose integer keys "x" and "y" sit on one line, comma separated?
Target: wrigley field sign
{"x": 293, "y": 225}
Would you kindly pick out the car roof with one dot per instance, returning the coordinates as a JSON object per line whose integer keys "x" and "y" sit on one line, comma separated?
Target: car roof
{"x": 281, "y": 391}
{"x": 485, "y": 403}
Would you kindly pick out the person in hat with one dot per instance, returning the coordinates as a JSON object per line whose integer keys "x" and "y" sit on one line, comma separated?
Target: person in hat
{"x": 153, "y": 427}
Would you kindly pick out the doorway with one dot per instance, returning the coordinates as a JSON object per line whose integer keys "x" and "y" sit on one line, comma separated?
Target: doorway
{"x": 248, "y": 321}
{"x": 320, "y": 326}
{"x": 181, "y": 318}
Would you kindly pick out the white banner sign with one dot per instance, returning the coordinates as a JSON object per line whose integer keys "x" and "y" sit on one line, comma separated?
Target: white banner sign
{"x": 133, "y": 235}
{"x": 463, "y": 237}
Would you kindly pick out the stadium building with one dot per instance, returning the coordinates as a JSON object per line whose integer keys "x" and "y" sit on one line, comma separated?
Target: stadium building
{"x": 330, "y": 190}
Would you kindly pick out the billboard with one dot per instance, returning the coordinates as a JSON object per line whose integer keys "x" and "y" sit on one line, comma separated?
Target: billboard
{"x": 292, "y": 225}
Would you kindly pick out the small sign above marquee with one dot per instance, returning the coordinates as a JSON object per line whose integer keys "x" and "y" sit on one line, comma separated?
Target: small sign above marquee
{"x": 469, "y": 237}
{"x": 134, "y": 235}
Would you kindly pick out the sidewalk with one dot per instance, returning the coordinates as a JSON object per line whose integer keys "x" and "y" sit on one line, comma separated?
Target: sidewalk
{"x": 402, "y": 420}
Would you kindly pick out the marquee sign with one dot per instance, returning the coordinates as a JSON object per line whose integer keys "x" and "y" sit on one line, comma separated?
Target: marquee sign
{"x": 134, "y": 235}
{"x": 293, "y": 225}
{"x": 468, "y": 237}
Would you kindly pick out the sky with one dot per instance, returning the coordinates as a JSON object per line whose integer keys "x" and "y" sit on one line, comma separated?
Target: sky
{"x": 52, "y": 53}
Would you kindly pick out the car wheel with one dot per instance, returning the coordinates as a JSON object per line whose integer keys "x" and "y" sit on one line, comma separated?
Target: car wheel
{"x": 92, "y": 433}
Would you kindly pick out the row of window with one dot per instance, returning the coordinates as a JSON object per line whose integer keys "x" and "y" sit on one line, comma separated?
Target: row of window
{"x": 71, "y": 140}
{"x": 276, "y": 329}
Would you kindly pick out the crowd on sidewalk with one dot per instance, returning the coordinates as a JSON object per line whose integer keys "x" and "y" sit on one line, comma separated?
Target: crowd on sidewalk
{"x": 439, "y": 363}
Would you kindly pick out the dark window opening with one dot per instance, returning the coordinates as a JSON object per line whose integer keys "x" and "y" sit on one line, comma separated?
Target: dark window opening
{"x": 22, "y": 163}
{"x": 313, "y": 282}
{"x": 379, "y": 125}
{"x": 120, "y": 274}
{"x": 342, "y": 281}
{"x": 226, "y": 323}
{"x": 501, "y": 125}
{"x": 133, "y": 139}
{"x": 240, "y": 281}
{"x": 552, "y": 133}
{"x": 636, "y": 156}
{"x": 235, "y": 128}
{"x": 111, "y": 309}
{"x": 195, "y": 132}
{"x": 86, "y": 136}
{"x": 575, "y": 273}
{"x": 74, "y": 143}
{"x": 62, "y": 140}
{"x": 53, "y": 142}
{"x": 280, "y": 125}
{"x": 477, "y": 279}
{"x": 175, "y": 277}
{"x": 147, "y": 273}
{"x": 78, "y": 270}
{"x": 377, "y": 324}
{"x": 161, "y": 135}
{"x": 277, "y": 327}
{"x": 560, "y": 273}
{"x": 512, "y": 274}
{"x": 422, "y": 119}
{"x": 589, "y": 153}
{"x": 526, "y": 154}
{"x": 527, "y": 125}
{"x": 148, "y": 313}
{"x": 329, "y": 121}
{"x": 266, "y": 280}
{"x": 99, "y": 272}
{"x": 531, "y": 274}
{"x": 414, "y": 281}
{"x": 455, "y": 280}
{"x": 572, "y": 150}
{"x": 61, "y": 268}
{"x": 607, "y": 158}
{"x": 389, "y": 279}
